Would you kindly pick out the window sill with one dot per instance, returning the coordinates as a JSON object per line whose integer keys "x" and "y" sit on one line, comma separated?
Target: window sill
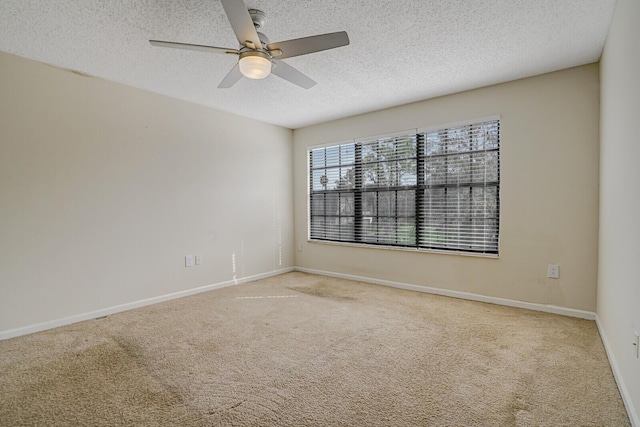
{"x": 396, "y": 248}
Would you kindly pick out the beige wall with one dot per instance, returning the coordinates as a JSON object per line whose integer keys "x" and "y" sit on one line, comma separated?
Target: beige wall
{"x": 104, "y": 189}
{"x": 619, "y": 263}
{"x": 549, "y": 193}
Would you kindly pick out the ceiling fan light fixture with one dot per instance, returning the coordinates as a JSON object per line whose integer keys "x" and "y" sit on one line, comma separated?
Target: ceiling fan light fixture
{"x": 255, "y": 65}
{"x": 257, "y": 57}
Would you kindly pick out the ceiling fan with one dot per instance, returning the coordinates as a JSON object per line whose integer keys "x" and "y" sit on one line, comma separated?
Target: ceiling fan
{"x": 257, "y": 57}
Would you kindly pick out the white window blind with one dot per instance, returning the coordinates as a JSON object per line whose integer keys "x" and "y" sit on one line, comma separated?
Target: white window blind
{"x": 427, "y": 190}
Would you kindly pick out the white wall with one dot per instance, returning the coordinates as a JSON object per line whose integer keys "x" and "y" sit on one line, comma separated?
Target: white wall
{"x": 549, "y": 193}
{"x": 619, "y": 262}
{"x": 105, "y": 188}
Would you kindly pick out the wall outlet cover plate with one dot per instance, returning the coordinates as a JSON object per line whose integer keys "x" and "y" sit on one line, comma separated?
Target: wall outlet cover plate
{"x": 188, "y": 261}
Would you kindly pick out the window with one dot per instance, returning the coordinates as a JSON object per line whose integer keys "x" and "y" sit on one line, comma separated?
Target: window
{"x": 427, "y": 190}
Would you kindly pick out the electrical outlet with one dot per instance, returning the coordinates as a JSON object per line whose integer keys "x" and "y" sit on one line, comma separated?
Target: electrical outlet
{"x": 198, "y": 259}
{"x": 553, "y": 271}
{"x": 299, "y": 247}
{"x": 188, "y": 261}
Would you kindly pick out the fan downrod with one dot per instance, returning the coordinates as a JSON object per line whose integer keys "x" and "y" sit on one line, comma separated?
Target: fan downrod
{"x": 258, "y": 17}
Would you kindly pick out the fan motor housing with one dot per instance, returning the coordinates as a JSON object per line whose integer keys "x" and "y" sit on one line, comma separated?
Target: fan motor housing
{"x": 263, "y": 39}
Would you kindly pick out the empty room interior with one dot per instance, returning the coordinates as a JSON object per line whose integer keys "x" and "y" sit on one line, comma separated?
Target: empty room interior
{"x": 420, "y": 213}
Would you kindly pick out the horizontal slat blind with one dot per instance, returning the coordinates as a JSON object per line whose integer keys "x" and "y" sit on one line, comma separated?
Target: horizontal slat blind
{"x": 332, "y": 193}
{"x": 433, "y": 190}
{"x": 461, "y": 179}
{"x": 388, "y": 174}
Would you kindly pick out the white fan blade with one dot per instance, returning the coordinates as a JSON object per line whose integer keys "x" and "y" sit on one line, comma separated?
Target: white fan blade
{"x": 231, "y": 78}
{"x": 287, "y": 72}
{"x": 305, "y": 45}
{"x": 196, "y": 47}
{"x": 241, "y": 22}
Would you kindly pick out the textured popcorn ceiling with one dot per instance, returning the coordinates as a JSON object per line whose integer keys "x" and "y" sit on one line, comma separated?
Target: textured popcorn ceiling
{"x": 401, "y": 50}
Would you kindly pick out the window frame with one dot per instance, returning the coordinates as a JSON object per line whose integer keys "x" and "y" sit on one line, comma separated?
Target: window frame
{"x": 418, "y": 188}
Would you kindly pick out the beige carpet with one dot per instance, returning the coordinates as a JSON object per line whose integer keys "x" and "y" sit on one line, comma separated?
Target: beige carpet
{"x": 306, "y": 350}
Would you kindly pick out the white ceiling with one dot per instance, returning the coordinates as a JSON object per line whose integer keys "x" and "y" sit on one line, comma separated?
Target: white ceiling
{"x": 401, "y": 50}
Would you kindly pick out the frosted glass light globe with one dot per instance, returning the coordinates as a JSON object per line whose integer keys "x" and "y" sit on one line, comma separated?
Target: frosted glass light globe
{"x": 255, "y": 65}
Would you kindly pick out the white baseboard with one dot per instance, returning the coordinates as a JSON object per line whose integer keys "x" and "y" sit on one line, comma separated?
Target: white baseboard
{"x": 624, "y": 392}
{"x": 458, "y": 294}
{"x": 11, "y": 333}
